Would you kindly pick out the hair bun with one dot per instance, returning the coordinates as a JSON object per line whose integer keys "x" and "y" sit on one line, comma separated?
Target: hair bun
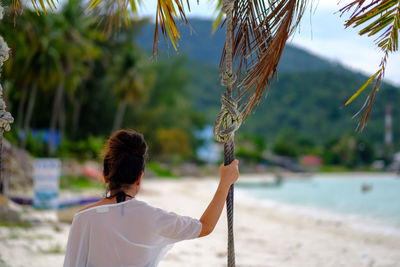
{"x": 132, "y": 142}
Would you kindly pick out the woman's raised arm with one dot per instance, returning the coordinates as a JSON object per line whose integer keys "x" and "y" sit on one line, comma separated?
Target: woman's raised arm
{"x": 228, "y": 176}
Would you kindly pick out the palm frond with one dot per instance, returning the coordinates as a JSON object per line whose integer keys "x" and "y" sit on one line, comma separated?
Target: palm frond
{"x": 218, "y": 18}
{"x": 381, "y": 17}
{"x": 167, "y": 13}
{"x": 38, "y": 5}
{"x": 261, "y": 32}
{"x": 114, "y": 13}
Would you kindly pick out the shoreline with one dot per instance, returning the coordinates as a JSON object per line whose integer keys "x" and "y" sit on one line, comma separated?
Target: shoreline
{"x": 290, "y": 175}
{"x": 265, "y": 235}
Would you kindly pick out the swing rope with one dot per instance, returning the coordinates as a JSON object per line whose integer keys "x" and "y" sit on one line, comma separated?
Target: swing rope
{"x": 228, "y": 121}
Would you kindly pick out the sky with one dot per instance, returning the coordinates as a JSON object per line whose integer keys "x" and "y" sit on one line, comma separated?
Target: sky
{"x": 322, "y": 33}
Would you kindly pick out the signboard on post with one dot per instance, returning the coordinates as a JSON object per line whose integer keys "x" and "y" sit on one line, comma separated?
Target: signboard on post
{"x": 46, "y": 181}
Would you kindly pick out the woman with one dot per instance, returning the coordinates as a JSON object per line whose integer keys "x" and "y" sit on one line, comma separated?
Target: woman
{"x": 120, "y": 230}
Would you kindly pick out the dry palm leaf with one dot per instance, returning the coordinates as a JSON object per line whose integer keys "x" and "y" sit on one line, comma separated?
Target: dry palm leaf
{"x": 261, "y": 32}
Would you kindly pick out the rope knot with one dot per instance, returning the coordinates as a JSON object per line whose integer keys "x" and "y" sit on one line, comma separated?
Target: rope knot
{"x": 228, "y": 120}
{"x": 227, "y": 6}
{"x": 228, "y": 79}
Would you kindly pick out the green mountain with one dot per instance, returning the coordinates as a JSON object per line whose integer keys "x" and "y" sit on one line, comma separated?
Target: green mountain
{"x": 199, "y": 44}
{"x": 306, "y": 98}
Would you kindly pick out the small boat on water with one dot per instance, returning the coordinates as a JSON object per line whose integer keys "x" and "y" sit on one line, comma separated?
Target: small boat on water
{"x": 365, "y": 188}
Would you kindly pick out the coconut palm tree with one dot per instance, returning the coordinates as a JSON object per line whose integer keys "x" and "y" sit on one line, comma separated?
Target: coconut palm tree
{"x": 38, "y": 63}
{"x": 129, "y": 80}
{"x": 76, "y": 45}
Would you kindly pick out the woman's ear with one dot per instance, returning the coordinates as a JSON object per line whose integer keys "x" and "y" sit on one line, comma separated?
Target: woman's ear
{"x": 139, "y": 181}
{"x": 104, "y": 177}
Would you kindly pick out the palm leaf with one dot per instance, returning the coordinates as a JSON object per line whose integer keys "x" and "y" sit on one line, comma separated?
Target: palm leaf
{"x": 381, "y": 17}
{"x": 167, "y": 13}
{"x": 37, "y": 5}
{"x": 114, "y": 13}
{"x": 261, "y": 32}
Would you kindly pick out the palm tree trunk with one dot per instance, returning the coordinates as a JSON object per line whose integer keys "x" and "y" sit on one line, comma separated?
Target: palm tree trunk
{"x": 120, "y": 115}
{"x": 21, "y": 106}
{"x": 61, "y": 119}
{"x": 29, "y": 111}
{"x": 77, "y": 103}
{"x": 54, "y": 117}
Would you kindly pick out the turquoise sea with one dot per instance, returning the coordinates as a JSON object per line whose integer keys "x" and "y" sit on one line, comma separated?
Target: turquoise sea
{"x": 374, "y": 196}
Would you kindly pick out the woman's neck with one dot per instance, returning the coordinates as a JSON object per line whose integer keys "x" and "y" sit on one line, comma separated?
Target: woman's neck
{"x": 130, "y": 192}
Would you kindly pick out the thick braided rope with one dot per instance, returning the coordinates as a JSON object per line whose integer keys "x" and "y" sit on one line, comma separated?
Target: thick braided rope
{"x": 228, "y": 121}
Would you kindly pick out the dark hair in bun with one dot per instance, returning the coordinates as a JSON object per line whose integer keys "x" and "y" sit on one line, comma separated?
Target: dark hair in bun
{"x": 124, "y": 160}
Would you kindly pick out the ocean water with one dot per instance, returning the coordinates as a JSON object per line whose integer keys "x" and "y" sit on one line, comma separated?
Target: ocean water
{"x": 380, "y": 199}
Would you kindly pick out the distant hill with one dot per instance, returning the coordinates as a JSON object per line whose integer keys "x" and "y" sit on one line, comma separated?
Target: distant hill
{"x": 306, "y": 98}
{"x": 198, "y": 43}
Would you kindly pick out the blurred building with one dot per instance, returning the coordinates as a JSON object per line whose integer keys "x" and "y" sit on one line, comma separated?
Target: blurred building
{"x": 210, "y": 151}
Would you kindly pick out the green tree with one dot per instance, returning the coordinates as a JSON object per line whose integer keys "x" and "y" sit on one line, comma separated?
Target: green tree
{"x": 350, "y": 151}
{"x": 35, "y": 58}
{"x": 130, "y": 73}
{"x": 168, "y": 105}
{"x": 251, "y": 146}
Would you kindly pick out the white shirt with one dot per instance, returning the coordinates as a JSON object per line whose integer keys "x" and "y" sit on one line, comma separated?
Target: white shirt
{"x": 130, "y": 233}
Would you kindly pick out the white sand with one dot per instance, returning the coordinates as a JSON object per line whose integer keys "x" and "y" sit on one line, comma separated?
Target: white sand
{"x": 269, "y": 235}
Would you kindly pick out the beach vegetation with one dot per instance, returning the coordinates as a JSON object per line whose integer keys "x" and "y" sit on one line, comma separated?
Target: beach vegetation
{"x": 111, "y": 79}
{"x": 79, "y": 183}
{"x": 161, "y": 170}
{"x": 15, "y": 224}
{"x": 53, "y": 249}
{"x": 251, "y": 147}
{"x": 3, "y": 263}
{"x": 350, "y": 151}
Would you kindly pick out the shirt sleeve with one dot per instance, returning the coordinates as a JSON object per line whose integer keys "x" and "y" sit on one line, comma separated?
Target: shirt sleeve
{"x": 174, "y": 227}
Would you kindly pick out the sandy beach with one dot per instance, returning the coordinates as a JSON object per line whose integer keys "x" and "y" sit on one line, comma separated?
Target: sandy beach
{"x": 265, "y": 235}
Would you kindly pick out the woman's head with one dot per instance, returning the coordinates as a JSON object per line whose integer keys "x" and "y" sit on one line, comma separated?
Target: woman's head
{"x": 124, "y": 160}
